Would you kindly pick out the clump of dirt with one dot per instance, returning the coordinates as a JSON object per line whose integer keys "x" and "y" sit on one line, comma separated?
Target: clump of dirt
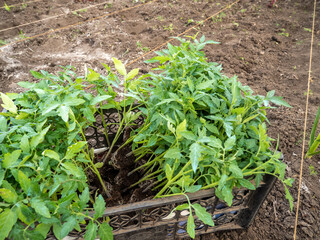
{"x": 120, "y": 178}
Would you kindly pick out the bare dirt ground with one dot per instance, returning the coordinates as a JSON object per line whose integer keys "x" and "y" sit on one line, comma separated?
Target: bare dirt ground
{"x": 267, "y": 48}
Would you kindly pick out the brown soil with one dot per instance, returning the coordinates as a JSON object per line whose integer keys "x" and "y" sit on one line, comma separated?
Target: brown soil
{"x": 267, "y": 48}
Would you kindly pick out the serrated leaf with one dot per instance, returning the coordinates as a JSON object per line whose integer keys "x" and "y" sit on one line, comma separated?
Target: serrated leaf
{"x": 168, "y": 171}
{"x": 74, "y": 149}
{"x": 289, "y": 197}
{"x": 105, "y": 231}
{"x": 247, "y": 184}
{"x": 228, "y": 127}
{"x": 170, "y": 127}
{"x": 10, "y": 159}
{"x": 212, "y": 128}
{"x": 289, "y": 181}
{"x": 8, "y": 195}
{"x": 3, "y": 124}
{"x": 182, "y": 207}
{"x": 24, "y": 213}
{"x": 68, "y": 226}
{"x": 92, "y": 76}
{"x": 24, "y": 181}
{"x": 181, "y": 128}
{"x": 73, "y": 169}
{"x": 63, "y": 112}
{"x": 51, "y": 154}
{"x": 2, "y": 172}
{"x": 36, "y": 74}
{"x": 202, "y": 214}
{"x": 8, "y": 104}
{"x": 84, "y": 197}
{"x": 43, "y": 229}
{"x": 193, "y": 188}
{"x": 173, "y": 153}
{"x": 24, "y": 144}
{"x": 279, "y": 101}
{"x": 99, "y": 207}
{"x": 91, "y": 232}
{"x": 50, "y": 107}
{"x": 34, "y": 142}
{"x": 98, "y": 99}
{"x": 189, "y": 135}
{"x": 228, "y": 145}
{"x": 57, "y": 230}
{"x": 8, "y": 218}
{"x": 40, "y": 207}
{"x": 191, "y": 226}
{"x": 195, "y": 154}
{"x": 236, "y": 171}
{"x": 119, "y": 66}
{"x": 132, "y": 74}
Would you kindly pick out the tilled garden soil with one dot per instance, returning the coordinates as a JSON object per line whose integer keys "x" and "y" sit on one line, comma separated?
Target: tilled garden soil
{"x": 268, "y": 48}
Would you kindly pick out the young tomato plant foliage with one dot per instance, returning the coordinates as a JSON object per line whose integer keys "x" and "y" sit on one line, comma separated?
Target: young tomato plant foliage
{"x": 45, "y": 158}
{"x": 205, "y": 130}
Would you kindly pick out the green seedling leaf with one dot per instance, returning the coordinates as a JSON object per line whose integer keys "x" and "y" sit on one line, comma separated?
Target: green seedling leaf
{"x": 8, "y": 218}
{"x": 132, "y": 74}
{"x": 99, "y": 99}
{"x": 57, "y": 230}
{"x": 105, "y": 231}
{"x": 91, "y": 232}
{"x": 173, "y": 153}
{"x": 3, "y": 124}
{"x": 188, "y": 135}
{"x": 39, "y": 138}
{"x": 247, "y": 184}
{"x": 193, "y": 188}
{"x": 195, "y": 154}
{"x": 181, "y": 128}
{"x": 2, "y": 173}
{"x": 25, "y": 214}
{"x": 170, "y": 127}
{"x": 228, "y": 145}
{"x": 74, "y": 149}
{"x": 40, "y": 207}
{"x": 119, "y": 66}
{"x": 202, "y": 214}
{"x": 92, "y": 76}
{"x": 289, "y": 181}
{"x": 99, "y": 164}
{"x": 11, "y": 159}
{"x": 73, "y": 169}
{"x": 50, "y": 108}
{"x": 68, "y": 226}
{"x": 8, "y": 195}
{"x": 8, "y": 104}
{"x": 99, "y": 207}
{"x": 24, "y": 144}
{"x": 43, "y": 229}
{"x": 289, "y": 197}
{"x": 51, "y": 154}
{"x": 63, "y": 111}
{"x": 191, "y": 227}
{"x": 236, "y": 171}
{"x": 36, "y": 74}
{"x": 182, "y": 207}
{"x": 24, "y": 181}
{"x": 314, "y": 127}
{"x": 168, "y": 171}
{"x": 279, "y": 101}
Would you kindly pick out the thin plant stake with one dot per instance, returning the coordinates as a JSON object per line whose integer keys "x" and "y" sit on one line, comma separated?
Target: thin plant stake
{"x": 305, "y": 123}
